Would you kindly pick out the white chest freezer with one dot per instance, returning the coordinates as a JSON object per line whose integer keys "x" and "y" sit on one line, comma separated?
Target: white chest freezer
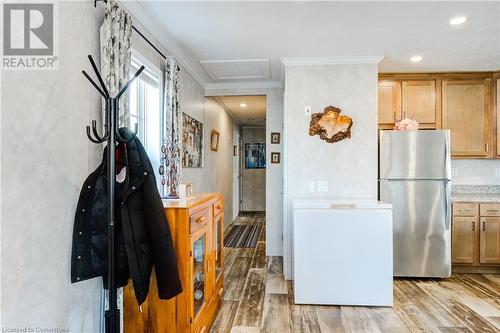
{"x": 342, "y": 252}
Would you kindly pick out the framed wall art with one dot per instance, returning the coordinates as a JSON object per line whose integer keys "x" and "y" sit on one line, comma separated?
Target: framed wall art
{"x": 275, "y": 158}
{"x": 192, "y": 142}
{"x": 255, "y": 156}
{"x": 275, "y": 137}
{"x": 214, "y": 140}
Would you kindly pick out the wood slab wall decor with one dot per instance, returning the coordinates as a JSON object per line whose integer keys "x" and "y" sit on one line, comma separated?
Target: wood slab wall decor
{"x": 330, "y": 125}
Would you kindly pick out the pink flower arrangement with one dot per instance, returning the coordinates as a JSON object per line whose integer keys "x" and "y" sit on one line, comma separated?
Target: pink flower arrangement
{"x": 406, "y": 124}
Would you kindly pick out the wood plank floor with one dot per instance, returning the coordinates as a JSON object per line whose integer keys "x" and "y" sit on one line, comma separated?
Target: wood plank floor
{"x": 257, "y": 299}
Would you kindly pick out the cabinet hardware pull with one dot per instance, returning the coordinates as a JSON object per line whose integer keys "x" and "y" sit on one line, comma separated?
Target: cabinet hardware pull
{"x": 218, "y": 207}
{"x": 473, "y": 225}
{"x": 484, "y": 226}
{"x": 492, "y": 210}
{"x": 201, "y": 219}
{"x": 486, "y": 147}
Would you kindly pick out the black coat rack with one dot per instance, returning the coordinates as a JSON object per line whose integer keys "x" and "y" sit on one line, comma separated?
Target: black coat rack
{"x": 111, "y": 135}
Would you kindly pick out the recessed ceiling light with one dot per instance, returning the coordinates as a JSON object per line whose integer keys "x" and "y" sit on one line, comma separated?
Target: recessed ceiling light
{"x": 243, "y": 105}
{"x": 416, "y": 58}
{"x": 458, "y": 20}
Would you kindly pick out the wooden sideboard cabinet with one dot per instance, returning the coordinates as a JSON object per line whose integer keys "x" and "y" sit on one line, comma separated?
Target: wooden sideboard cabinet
{"x": 197, "y": 226}
{"x": 476, "y": 236}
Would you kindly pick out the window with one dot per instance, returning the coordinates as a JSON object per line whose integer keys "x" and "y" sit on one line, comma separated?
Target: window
{"x": 145, "y": 107}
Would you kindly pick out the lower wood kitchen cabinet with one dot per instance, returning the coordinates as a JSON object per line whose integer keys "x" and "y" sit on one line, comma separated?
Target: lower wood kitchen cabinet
{"x": 490, "y": 240}
{"x": 476, "y": 237}
{"x": 196, "y": 226}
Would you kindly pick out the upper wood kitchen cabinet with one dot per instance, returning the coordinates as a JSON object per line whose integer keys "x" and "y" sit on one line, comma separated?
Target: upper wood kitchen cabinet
{"x": 415, "y": 99}
{"x": 466, "y": 113}
{"x": 389, "y": 103}
{"x": 419, "y": 102}
{"x": 496, "y": 79}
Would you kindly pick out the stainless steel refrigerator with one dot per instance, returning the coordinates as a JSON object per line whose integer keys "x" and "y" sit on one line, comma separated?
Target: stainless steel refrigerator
{"x": 415, "y": 175}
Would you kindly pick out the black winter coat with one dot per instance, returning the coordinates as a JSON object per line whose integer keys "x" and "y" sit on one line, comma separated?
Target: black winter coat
{"x": 142, "y": 234}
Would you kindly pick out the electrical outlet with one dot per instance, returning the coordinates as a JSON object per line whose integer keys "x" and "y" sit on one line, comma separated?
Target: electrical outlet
{"x": 307, "y": 110}
{"x": 454, "y": 172}
{"x": 323, "y": 186}
{"x": 312, "y": 186}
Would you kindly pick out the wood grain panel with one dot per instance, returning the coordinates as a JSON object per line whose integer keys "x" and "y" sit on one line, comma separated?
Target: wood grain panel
{"x": 419, "y": 101}
{"x": 464, "y": 241}
{"x": 389, "y": 102}
{"x": 490, "y": 240}
{"x": 466, "y": 113}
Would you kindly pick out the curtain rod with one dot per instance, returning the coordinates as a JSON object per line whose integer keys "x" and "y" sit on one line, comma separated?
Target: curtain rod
{"x": 140, "y": 33}
{"x": 148, "y": 41}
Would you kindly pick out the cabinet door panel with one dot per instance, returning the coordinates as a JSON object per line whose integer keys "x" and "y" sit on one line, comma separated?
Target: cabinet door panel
{"x": 463, "y": 240}
{"x": 498, "y": 115}
{"x": 419, "y": 101}
{"x": 466, "y": 110}
{"x": 388, "y": 102}
{"x": 490, "y": 240}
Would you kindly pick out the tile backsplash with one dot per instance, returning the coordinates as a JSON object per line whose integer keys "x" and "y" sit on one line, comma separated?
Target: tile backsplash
{"x": 475, "y": 172}
{"x": 475, "y": 189}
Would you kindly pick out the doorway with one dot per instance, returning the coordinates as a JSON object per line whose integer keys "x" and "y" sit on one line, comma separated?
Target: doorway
{"x": 249, "y": 160}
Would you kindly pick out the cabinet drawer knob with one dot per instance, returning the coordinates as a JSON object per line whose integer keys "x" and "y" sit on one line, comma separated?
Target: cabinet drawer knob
{"x": 201, "y": 219}
{"x": 218, "y": 207}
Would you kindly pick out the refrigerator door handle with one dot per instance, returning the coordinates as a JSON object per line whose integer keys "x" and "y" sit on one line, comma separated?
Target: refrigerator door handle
{"x": 447, "y": 208}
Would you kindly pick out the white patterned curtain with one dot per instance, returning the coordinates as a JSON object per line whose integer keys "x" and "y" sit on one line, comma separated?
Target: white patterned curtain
{"x": 172, "y": 131}
{"x": 115, "y": 34}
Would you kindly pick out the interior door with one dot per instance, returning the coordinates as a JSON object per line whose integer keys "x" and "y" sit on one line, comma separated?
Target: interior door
{"x": 421, "y": 225}
{"x": 236, "y": 179}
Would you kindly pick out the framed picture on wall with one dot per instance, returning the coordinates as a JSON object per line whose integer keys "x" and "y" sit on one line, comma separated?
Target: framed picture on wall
{"x": 192, "y": 142}
{"x": 214, "y": 140}
{"x": 275, "y": 158}
{"x": 255, "y": 156}
{"x": 275, "y": 137}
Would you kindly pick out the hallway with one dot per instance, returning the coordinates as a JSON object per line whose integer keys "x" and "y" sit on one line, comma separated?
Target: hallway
{"x": 257, "y": 299}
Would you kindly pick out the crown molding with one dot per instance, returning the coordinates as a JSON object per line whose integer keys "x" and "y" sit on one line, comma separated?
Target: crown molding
{"x": 243, "y": 85}
{"x": 341, "y": 60}
{"x": 159, "y": 32}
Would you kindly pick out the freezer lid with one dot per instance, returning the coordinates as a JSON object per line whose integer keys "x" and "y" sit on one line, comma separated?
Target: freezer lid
{"x": 423, "y": 154}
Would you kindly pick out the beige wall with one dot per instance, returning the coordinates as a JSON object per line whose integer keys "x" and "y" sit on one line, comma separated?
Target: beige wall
{"x": 349, "y": 166}
{"x": 216, "y": 175}
{"x": 45, "y": 158}
{"x": 253, "y": 180}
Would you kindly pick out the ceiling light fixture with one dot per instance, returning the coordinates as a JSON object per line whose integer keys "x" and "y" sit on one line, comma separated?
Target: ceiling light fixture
{"x": 458, "y": 20}
{"x": 416, "y": 58}
{"x": 243, "y": 105}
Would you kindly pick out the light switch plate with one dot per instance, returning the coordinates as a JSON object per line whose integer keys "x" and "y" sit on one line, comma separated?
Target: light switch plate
{"x": 312, "y": 186}
{"x": 323, "y": 186}
{"x": 454, "y": 172}
{"x": 307, "y": 110}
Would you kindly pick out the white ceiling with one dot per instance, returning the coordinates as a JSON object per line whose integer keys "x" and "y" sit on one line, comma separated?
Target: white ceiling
{"x": 254, "y": 114}
{"x": 244, "y": 41}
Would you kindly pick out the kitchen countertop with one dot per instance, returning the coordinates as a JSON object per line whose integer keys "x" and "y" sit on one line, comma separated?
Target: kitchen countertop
{"x": 475, "y": 197}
